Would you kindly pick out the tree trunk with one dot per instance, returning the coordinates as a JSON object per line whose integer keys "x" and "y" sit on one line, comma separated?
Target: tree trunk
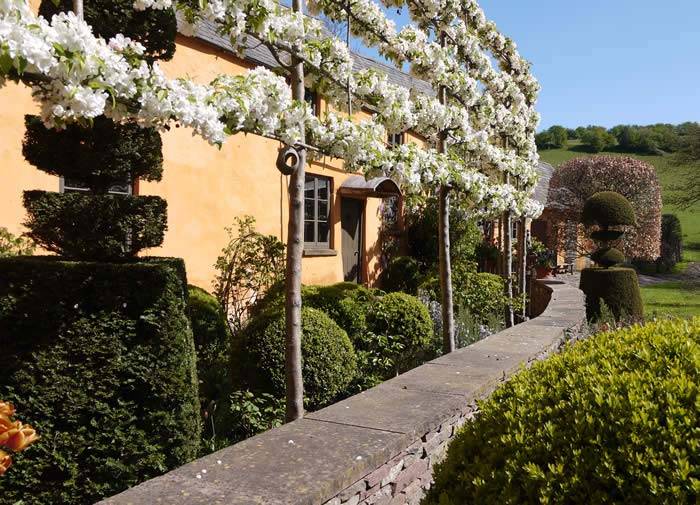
{"x": 78, "y": 8}
{"x": 448, "y": 323}
{"x": 508, "y": 264}
{"x": 522, "y": 266}
{"x": 295, "y": 249}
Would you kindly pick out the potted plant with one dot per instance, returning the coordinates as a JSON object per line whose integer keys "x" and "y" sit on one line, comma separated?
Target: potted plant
{"x": 541, "y": 258}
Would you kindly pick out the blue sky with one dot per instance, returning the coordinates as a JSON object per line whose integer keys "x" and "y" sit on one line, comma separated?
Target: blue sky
{"x": 607, "y": 62}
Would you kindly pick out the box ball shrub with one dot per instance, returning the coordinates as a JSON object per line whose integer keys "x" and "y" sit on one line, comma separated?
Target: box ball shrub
{"x": 608, "y": 256}
{"x": 328, "y": 357}
{"x": 404, "y": 316}
{"x": 401, "y": 274}
{"x": 608, "y": 208}
{"x": 95, "y": 227}
{"x": 99, "y": 358}
{"x": 612, "y": 419}
{"x": 617, "y": 287}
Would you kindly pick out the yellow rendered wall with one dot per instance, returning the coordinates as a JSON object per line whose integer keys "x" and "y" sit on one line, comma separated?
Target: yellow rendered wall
{"x": 205, "y": 187}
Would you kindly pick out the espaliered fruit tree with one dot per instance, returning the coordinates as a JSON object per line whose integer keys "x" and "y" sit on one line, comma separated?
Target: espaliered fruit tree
{"x": 606, "y": 214}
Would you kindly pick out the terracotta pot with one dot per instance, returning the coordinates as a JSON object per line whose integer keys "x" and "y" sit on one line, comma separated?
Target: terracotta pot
{"x": 543, "y": 271}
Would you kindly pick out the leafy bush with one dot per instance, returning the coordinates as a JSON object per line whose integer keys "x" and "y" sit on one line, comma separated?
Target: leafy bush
{"x": 612, "y": 419}
{"x": 671, "y": 241}
{"x": 251, "y": 414}
{"x": 401, "y": 274}
{"x": 11, "y": 245}
{"x": 404, "y": 317}
{"x": 100, "y": 156}
{"x": 329, "y": 363}
{"x": 213, "y": 347}
{"x": 154, "y": 28}
{"x": 598, "y": 139}
{"x": 617, "y": 287}
{"x": 346, "y": 303}
{"x": 96, "y": 227}
{"x": 249, "y": 265}
{"x": 99, "y": 358}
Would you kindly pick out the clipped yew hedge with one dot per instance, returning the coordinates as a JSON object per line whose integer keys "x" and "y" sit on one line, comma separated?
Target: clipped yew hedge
{"x": 613, "y": 419}
{"x": 99, "y": 358}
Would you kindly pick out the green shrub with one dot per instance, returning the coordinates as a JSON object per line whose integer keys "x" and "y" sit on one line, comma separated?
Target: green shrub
{"x": 100, "y": 156}
{"x": 328, "y": 358}
{"x": 608, "y": 257}
{"x": 212, "y": 341}
{"x": 96, "y": 227}
{"x": 617, "y": 287}
{"x": 671, "y": 241}
{"x": 401, "y": 274}
{"x": 403, "y": 316}
{"x": 11, "y": 245}
{"x": 613, "y": 419}
{"x": 154, "y": 28}
{"x": 608, "y": 208}
{"x": 99, "y": 358}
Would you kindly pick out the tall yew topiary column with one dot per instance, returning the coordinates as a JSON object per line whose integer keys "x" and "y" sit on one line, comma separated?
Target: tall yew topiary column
{"x": 606, "y": 214}
{"x": 97, "y": 217}
{"x": 98, "y": 350}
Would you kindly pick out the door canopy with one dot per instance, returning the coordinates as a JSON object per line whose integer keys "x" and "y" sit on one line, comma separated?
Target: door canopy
{"x": 359, "y": 187}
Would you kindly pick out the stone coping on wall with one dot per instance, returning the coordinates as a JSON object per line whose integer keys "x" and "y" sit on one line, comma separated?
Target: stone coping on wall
{"x": 375, "y": 447}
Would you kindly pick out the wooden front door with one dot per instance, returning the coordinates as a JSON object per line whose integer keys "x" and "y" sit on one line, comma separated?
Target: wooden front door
{"x": 351, "y": 216}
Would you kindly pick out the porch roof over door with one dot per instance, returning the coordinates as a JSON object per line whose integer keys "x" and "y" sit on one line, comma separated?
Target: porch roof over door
{"x": 359, "y": 187}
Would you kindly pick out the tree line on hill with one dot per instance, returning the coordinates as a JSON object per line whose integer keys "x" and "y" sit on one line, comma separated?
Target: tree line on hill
{"x": 651, "y": 139}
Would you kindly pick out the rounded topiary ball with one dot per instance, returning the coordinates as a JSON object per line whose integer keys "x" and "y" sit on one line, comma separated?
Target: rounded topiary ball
{"x": 608, "y": 208}
{"x": 617, "y": 287}
{"x": 404, "y": 316}
{"x": 328, "y": 358}
{"x": 612, "y": 419}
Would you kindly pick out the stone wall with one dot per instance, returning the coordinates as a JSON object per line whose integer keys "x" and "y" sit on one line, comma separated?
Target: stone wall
{"x": 377, "y": 447}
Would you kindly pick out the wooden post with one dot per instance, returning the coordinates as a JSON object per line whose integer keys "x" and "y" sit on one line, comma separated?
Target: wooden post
{"x": 522, "y": 265}
{"x": 508, "y": 264}
{"x": 295, "y": 249}
{"x": 448, "y": 324}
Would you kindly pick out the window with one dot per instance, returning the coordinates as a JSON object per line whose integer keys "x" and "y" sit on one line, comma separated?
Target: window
{"x": 396, "y": 139}
{"x": 317, "y": 200}
{"x": 311, "y": 98}
{"x": 75, "y": 185}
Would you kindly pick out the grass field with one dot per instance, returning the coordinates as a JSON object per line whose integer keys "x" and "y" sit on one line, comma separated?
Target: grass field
{"x": 678, "y": 298}
{"x": 669, "y": 176}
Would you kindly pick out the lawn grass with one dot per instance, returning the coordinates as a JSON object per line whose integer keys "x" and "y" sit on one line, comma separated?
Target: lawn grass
{"x": 669, "y": 176}
{"x": 676, "y": 299}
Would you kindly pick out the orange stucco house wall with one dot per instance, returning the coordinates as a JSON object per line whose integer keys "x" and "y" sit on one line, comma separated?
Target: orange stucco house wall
{"x": 205, "y": 187}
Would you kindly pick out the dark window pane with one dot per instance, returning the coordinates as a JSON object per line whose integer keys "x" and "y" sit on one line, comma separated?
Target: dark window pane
{"x": 309, "y": 187}
{"x": 309, "y": 210}
{"x": 323, "y": 189}
{"x": 323, "y": 232}
{"x": 322, "y": 210}
{"x": 309, "y": 232}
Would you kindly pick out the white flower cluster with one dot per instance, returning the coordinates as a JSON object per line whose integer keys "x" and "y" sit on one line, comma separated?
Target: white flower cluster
{"x": 142, "y": 5}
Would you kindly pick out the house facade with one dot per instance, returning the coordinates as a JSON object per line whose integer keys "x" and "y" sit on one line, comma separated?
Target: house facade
{"x": 345, "y": 234}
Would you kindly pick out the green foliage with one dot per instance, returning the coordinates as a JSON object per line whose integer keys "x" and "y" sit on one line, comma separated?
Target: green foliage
{"x": 608, "y": 256}
{"x": 252, "y": 413}
{"x": 403, "y": 316}
{"x": 554, "y": 137}
{"x": 540, "y": 255}
{"x": 249, "y": 265}
{"x": 612, "y": 419}
{"x": 617, "y": 287}
{"x": 98, "y": 227}
{"x": 422, "y": 233}
{"x": 401, "y": 274}
{"x": 608, "y": 208}
{"x": 329, "y": 363}
{"x": 11, "y": 245}
{"x": 597, "y": 139}
{"x": 154, "y": 28}
{"x": 346, "y": 303}
{"x": 99, "y": 358}
{"x": 100, "y": 157}
{"x": 212, "y": 342}
{"x": 671, "y": 241}
{"x": 650, "y": 139}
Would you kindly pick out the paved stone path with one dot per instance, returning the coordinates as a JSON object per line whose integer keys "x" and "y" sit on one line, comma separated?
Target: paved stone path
{"x": 691, "y": 274}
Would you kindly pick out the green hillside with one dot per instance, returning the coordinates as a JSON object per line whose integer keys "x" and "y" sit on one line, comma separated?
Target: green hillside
{"x": 669, "y": 175}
